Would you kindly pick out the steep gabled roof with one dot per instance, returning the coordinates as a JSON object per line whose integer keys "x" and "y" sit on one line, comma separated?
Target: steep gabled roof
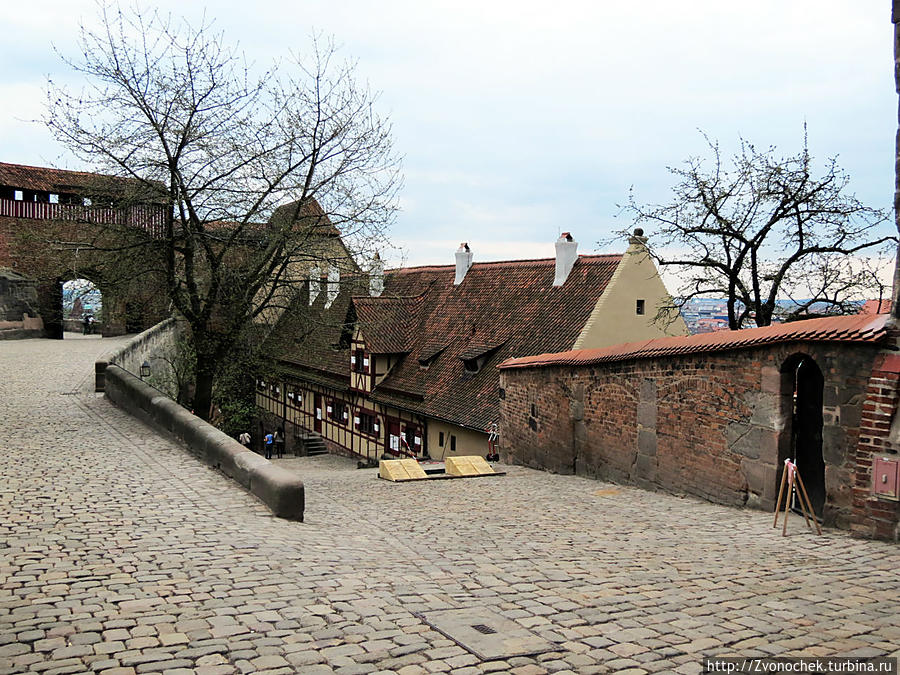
{"x": 389, "y": 324}
{"x": 858, "y": 328}
{"x": 500, "y": 310}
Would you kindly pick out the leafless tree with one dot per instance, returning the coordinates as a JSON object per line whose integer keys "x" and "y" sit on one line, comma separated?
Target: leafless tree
{"x": 224, "y": 148}
{"x": 762, "y": 227}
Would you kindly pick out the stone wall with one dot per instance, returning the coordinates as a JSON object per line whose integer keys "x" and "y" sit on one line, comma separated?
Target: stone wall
{"x": 714, "y": 425}
{"x": 157, "y": 346}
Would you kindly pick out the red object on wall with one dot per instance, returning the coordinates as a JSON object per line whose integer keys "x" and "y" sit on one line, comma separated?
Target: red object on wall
{"x": 886, "y": 478}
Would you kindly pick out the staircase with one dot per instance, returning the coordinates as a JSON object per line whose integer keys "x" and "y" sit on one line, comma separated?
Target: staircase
{"x": 313, "y": 444}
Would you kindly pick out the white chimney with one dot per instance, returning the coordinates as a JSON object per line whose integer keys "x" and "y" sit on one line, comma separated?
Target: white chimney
{"x": 566, "y": 255}
{"x": 315, "y": 282}
{"x": 376, "y": 276}
{"x": 463, "y": 263}
{"x": 334, "y": 286}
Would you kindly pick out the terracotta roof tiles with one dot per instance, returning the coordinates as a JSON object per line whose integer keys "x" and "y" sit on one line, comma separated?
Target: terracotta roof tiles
{"x": 864, "y": 328}
{"x": 510, "y": 307}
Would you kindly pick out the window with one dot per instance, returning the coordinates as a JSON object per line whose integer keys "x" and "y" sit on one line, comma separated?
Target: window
{"x": 452, "y": 443}
{"x": 18, "y": 196}
{"x": 54, "y": 199}
{"x": 359, "y": 361}
{"x": 441, "y": 439}
{"x": 276, "y": 389}
{"x": 337, "y": 411}
{"x": 639, "y": 307}
{"x": 260, "y": 384}
{"x": 367, "y": 424}
{"x": 295, "y": 397}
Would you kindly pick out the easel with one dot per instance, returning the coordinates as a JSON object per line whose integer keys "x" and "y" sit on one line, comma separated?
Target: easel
{"x": 791, "y": 477}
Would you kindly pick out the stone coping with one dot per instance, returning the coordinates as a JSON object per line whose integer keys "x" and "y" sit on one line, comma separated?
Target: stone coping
{"x": 279, "y": 489}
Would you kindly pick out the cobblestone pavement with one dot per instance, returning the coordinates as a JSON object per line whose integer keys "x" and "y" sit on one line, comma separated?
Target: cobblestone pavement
{"x": 121, "y": 553}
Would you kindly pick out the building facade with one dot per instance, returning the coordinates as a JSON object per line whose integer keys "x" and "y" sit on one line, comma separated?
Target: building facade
{"x": 407, "y": 366}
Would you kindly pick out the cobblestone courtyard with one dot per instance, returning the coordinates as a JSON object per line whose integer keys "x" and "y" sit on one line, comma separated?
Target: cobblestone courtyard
{"x": 121, "y": 553}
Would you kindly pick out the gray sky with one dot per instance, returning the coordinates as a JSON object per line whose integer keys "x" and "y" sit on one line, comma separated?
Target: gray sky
{"x": 518, "y": 120}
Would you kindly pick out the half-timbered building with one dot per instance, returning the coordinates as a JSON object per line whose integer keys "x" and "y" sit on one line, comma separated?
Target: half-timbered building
{"x": 407, "y": 365}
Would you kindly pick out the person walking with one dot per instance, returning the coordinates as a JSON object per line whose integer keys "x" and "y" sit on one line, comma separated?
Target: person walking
{"x": 279, "y": 442}
{"x": 269, "y": 439}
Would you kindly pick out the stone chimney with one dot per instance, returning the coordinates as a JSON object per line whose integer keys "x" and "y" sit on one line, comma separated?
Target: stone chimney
{"x": 566, "y": 255}
{"x": 376, "y": 276}
{"x": 463, "y": 263}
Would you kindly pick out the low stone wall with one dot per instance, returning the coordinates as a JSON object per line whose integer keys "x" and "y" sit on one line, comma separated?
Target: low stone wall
{"x": 280, "y": 490}
{"x": 116, "y": 373}
{"x": 28, "y": 327}
{"x": 714, "y": 425}
{"x": 153, "y": 342}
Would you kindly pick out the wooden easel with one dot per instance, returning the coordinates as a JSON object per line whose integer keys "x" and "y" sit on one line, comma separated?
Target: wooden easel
{"x": 791, "y": 477}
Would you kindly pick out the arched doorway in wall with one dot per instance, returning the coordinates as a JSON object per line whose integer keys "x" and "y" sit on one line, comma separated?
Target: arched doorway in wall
{"x": 82, "y": 307}
{"x": 802, "y": 395}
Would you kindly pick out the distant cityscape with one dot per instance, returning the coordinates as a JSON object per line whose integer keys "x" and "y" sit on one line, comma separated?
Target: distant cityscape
{"x": 81, "y": 298}
{"x": 706, "y": 315}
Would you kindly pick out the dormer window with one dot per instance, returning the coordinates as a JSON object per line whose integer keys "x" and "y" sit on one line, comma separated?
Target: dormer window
{"x": 359, "y": 361}
{"x": 474, "y": 365}
{"x": 477, "y": 355}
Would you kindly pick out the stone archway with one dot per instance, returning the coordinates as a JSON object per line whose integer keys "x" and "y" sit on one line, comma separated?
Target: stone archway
{"x": 802, "y": 389}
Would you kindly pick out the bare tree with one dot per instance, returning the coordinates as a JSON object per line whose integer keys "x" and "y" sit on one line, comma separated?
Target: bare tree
{"x": 761, "y": 228}
{"x": 257, "y": 172}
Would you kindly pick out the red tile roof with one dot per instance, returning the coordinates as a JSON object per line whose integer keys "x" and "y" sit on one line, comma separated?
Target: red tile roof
{"x": 510, "y": 307}
{"x": 859, "y": 328}
{"x": 389, "y": 324}
{"x": 43, "y": 179}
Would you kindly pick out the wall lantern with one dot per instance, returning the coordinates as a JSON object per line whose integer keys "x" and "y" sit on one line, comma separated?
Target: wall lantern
{"x": 145, "y": 369}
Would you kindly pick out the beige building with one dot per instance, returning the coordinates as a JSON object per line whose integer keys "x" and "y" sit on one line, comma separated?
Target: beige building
{"x": 408, "y": 365}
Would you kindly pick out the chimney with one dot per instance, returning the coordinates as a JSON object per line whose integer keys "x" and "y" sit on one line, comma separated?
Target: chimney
{"x": 315, "y": 283}
{"x": 376, "y": 276}
{"x": 333, "y": 287}
{"x": 637, "y": 240}
{"x": 566, "y": 255}
{"x": 463, "y": 263}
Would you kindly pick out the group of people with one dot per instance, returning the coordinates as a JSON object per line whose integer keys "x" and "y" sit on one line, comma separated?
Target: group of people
{"x": 87, "y": 324}
{"x": 270, "y": 441}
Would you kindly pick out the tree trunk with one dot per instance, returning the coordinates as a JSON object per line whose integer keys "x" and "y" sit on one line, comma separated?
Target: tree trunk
{"x": 203, "y": 386}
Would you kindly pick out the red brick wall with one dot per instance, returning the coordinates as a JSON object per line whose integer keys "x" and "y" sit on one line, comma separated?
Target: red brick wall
{"x": 878, "y": 437}
{"x": 712, "y": 425}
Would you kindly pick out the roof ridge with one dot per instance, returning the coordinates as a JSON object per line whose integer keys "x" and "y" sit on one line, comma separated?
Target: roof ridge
{"x": 53, "y": 168}
{"x": 517, "y": 261}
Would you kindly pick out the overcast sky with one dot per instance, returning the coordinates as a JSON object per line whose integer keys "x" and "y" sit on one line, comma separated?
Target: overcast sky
{"x": 519, "y": 120}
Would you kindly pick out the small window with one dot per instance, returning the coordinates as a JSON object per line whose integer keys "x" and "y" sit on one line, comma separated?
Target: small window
{"x": 533, "y": 410}
{"x": 337, "y": 411}
{"x": 639, "y": 308}
{"x": 87, "y": 201}
{"x": 452, "y": 443}
{"x": 261, "y": 384}
{"x": 18, "y": 196}
{"x": 441, "y": 439}
{"x": 367, "y": 424}
{"x": 54, "y": 199}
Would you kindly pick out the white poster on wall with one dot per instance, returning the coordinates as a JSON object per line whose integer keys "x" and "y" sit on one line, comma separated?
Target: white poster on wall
{"x": 318, "y": 413}
{"x": 395, "y": 443}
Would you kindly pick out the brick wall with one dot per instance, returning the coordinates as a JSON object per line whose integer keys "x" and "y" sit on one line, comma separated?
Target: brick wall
{"x": 715, "y": 425}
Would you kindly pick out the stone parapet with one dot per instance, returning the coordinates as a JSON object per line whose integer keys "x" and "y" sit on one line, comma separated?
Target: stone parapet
{"x": 280, "y": 490}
